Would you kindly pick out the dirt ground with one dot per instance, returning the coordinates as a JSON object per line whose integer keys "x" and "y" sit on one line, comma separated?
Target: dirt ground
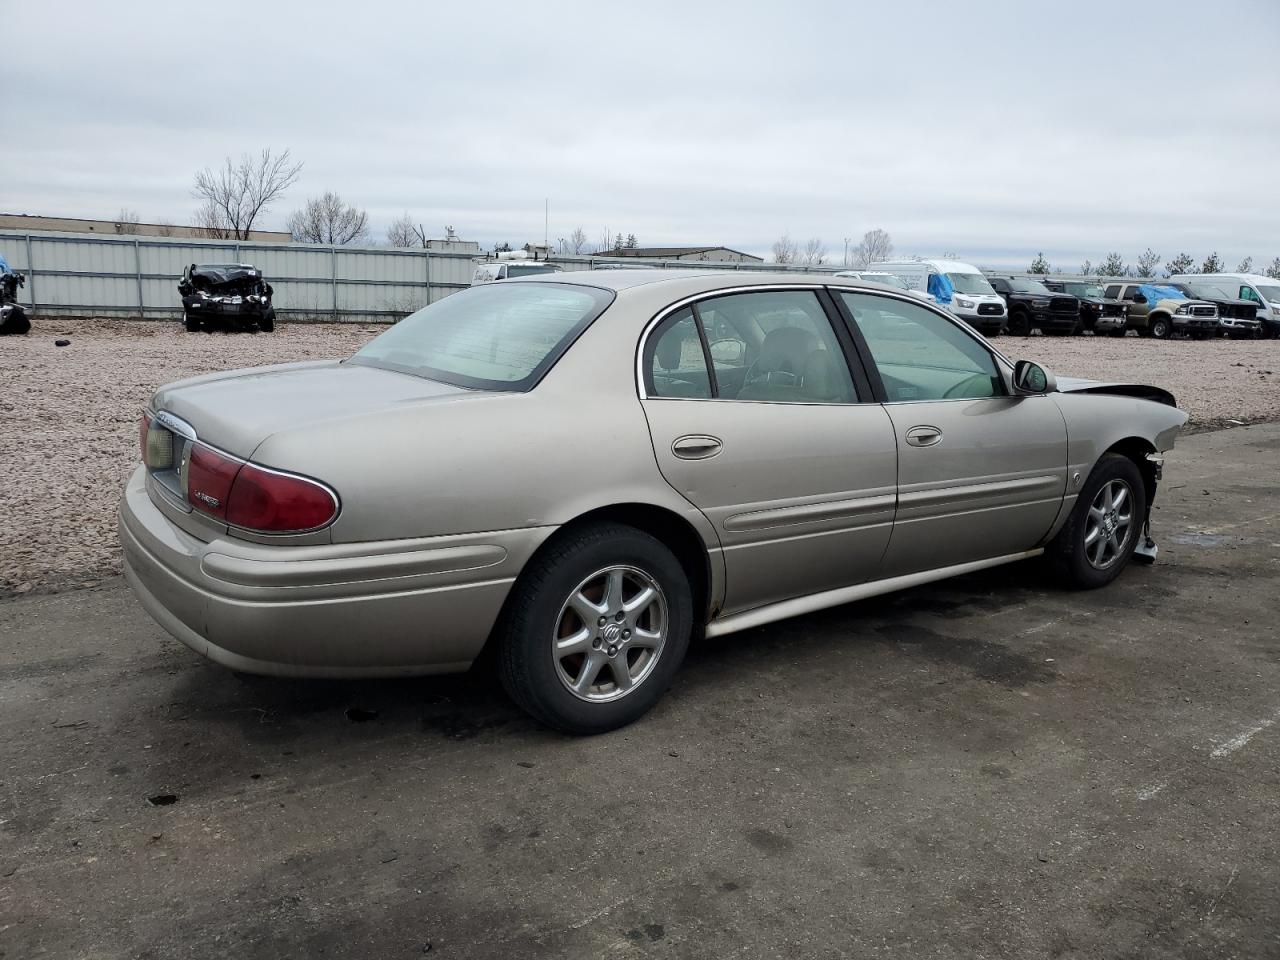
{"x": 68, "y": 415}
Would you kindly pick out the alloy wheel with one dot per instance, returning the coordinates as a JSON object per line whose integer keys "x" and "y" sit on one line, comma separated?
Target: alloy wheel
{"x": 1110, "y": 524}
{"x": 610, "y": 633}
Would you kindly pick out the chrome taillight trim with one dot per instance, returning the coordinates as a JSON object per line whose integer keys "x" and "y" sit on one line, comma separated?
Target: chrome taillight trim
{"x": 181, "y": 428}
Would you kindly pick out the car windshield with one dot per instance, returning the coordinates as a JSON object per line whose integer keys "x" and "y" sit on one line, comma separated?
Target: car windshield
{"x": 1083, "y": 289}
{"x": 530, "y": 269}
{"x": 1203, "y": 290}
{"x": 1271, "y": 293}
{"x": 501, "y": 336}
{"x": 970, "y": 283}
{"x": 1028, "y": 286}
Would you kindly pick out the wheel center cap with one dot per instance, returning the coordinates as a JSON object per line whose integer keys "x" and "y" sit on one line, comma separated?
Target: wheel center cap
{"x": 612, "y": 633}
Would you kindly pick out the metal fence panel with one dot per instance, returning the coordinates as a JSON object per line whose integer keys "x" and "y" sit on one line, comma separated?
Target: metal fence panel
{"x": 90, "y": 274}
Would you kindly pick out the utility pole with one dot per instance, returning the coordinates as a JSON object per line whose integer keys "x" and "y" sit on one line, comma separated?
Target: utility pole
{"x": 846, "y": 251}
{"x": 546, "y": 220}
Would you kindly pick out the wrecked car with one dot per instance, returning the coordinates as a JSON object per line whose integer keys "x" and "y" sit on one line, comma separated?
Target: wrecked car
{"x": 757, "y": 446}
{"x": 226, "y": 295}
{"x": 13, "y": 318}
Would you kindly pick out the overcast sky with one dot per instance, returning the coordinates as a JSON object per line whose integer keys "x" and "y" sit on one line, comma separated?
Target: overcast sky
{"x": 993, "y": 130}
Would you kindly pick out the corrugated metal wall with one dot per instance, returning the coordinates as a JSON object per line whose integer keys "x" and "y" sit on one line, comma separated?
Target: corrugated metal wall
{"x": 85, "y": 275}
{"x": 89, "y": 275}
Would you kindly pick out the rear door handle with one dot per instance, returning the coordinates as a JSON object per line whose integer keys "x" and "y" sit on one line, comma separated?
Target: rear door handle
{"x": 924, "y": 436}
{"x": 696, "y": 447}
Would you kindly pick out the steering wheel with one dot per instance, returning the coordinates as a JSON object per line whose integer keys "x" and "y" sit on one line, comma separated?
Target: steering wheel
{"x": 958, "y": 390}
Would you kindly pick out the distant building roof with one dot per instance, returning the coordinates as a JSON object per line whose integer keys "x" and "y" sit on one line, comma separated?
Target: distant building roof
{"x": 35, "y": 222}
{"x": 659, "y": 252}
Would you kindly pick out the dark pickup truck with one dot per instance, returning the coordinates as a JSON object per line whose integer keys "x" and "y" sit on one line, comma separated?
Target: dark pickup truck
{"x": 1031, "y": 304}
{"x": 1097, "y": 312}
{"x": 1236, "y": 317}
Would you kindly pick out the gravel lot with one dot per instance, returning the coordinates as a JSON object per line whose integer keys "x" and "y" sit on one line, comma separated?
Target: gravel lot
{"x": 68, "y": 414}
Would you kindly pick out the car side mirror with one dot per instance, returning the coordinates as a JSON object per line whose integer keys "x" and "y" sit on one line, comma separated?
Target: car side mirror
{"x": 1139, "y": 298}
{"x": 1031, "y": 378}
{"x": 730, "y": 352}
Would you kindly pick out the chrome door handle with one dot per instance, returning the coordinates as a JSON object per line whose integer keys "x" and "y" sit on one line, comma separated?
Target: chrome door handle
{"x": 696, "y": 447}
{"x": 924, "y": 436}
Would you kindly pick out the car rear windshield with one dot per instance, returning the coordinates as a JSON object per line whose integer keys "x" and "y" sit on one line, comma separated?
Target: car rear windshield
{"x": 501, "y": 336}
{"x": 972, "y": 283}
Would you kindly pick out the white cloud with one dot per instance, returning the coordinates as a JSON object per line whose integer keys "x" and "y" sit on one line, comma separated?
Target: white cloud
{"x": 995, "y": 130}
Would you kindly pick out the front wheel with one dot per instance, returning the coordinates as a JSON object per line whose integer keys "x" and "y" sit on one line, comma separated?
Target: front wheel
{"x": 1104, "y": 526}
{"x": 1160, "y": 328}
{"x": 595, "y": 629}
{"x": 1019, "y": 325}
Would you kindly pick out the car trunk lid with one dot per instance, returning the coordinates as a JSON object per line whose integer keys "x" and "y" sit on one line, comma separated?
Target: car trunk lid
{"x": 236, "y": 411}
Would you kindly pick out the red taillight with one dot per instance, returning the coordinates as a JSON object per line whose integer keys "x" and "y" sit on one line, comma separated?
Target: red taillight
{"x": 277, "y": 502}
{"x": 249, "y": 496}
{"x": 209, "y": 479}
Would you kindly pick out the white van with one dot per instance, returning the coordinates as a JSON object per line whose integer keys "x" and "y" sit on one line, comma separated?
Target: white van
{"x": 959, "y": 287}
{"x": 888, "y": 279}
{"x": 1263, "y": 291}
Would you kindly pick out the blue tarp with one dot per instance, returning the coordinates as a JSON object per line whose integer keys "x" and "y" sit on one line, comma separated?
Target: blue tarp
{"x": 941, "y": 287}
{"x": 4, "y": 266}
{"x": 1155, "y": 292}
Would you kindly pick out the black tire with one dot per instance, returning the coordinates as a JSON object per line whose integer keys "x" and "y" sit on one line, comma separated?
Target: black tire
{"x": 1019, "y": 324}
{"x": 1067, "y": 551}
{"x": 192, "y": 323}
{"x": 1161, "y": 327}
{"x": 535, "y": 613}
{"x": 268, "y": 323}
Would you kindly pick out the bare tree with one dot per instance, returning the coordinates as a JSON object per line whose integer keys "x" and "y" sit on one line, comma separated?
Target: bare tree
{"x": 578, "y": 241}
{"x": 1147, "y": 263}
{"x": 165, "y": 228}
{"x": 403, "y": 232}
{"x": 1245, "y": 265}
{"x": 1039, "y": 264}
{"x": 605, "y": 243}
{"x": 127, "y": 221}
{"x": 1086, "y": 268}
{"x": 784, "y": 250}
{"x": 328, "y": 219}
{"x": 1182, "y": 263}
{"x": 876, "y": 245}
{"x": 1273, "y": 271}
{"x": 814, "y": 253}
{"x": 239, "y": 192}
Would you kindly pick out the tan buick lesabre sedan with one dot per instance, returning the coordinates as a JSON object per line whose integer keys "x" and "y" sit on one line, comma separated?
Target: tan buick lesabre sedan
{"x": 586, "y": 469}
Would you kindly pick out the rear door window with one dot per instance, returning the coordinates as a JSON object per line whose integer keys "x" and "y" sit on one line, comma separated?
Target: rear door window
{"x": 675, "y": 362}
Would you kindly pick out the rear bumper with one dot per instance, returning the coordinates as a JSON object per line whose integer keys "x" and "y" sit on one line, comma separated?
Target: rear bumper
{"x": 246, "y": 311}
{"x": 388, "y": 608}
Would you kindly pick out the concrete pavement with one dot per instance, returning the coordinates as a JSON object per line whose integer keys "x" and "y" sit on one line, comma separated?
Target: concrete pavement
{"x": 989, "y": 767}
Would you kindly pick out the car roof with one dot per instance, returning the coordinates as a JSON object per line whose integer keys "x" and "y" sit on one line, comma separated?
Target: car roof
{"x": 691, "y": 282}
